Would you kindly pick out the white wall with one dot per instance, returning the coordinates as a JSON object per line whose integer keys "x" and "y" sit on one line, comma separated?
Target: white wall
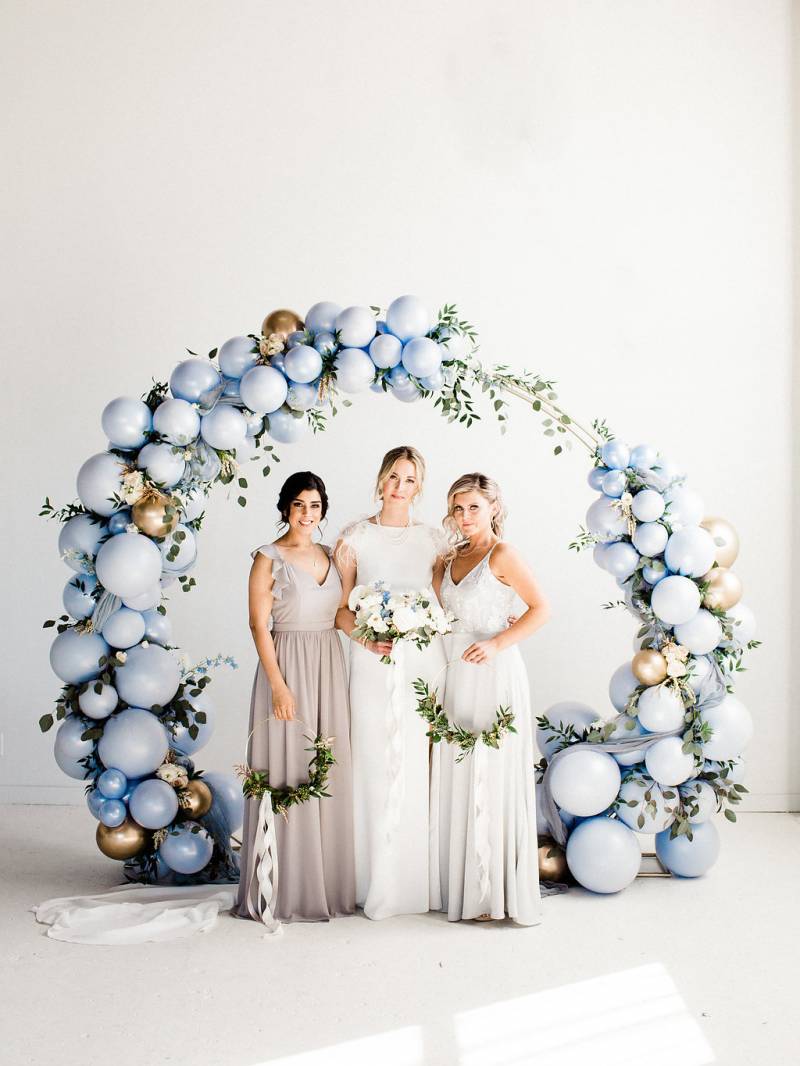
{"x": 604, "y": 188}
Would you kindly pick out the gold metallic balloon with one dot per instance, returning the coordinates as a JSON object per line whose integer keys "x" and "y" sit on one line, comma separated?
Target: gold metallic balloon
{"x": 123, "y": 841}
{"x": 724, "y": 589}
{"x": 155, "y": 514}
{"x": 725, "y": 537}
{"x": 195, "y": 800}
{"x": 281, "y": 321}
{"x": 552, "y": 860}
{"x": 649, "y": 667}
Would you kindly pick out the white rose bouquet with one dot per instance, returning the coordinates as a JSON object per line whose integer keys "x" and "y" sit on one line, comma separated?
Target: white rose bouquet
{"x": 385, "y": 615}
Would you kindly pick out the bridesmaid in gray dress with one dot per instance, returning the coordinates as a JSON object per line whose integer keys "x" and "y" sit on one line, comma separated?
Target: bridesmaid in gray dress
{"x": 300, "y": 689}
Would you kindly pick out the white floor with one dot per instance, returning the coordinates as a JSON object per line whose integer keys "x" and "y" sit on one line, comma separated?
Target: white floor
{"x": 669, "y": 972}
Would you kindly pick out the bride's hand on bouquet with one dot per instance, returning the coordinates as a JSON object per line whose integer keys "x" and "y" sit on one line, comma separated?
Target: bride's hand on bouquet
{"x": 379, "y": 647}
{"x": 283, "y": 704}
{"x": 480, "y": 652}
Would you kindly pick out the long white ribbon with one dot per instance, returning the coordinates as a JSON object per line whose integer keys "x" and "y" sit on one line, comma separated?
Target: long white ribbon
{"x": 480, "y": 819}
{"x": 397, "y": 706}
{"x": 266, "y": 866}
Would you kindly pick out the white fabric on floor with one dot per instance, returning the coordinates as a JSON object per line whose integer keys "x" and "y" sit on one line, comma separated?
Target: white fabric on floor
{"x": 135, "y": 914}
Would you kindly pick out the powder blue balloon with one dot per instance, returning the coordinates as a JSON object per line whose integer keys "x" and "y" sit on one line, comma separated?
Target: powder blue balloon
{"x": 421, "y": 356}
{"x": 647, "y": 505}
{"x": 614, "y": 483}
{"x": 223, "y": 427}
{"x": 181, "y": 738}
{"x": 74, "y": 657}
{"x": 263, "y": 389}
{"x": 689, "y": 858}
{"x": 205, "y": 466}
{"x": 69, "y": 748}
{"x": 128, "y": 565}
{"x": 622, "y": 732}
{"x": 650, "y": 538}
{"x": 98, "y": 705}
{"x": 194, "y": 379}
{"x": 113, "y": 812}
{"x": 355, "y": 370}
{"x": 94, "y": 801}
{"x": 321, "y": 317}
{"x": 146, "y": 601}
{"x": 621, "y": 560}
{"x": 176, "y": 421}
{"x": 595, "y": 477}
{"x": 603, "y": 855}
{"x": 690, "y": 551}
{"x": 302, "y": 397}
{"x": 231, "y": 388}
{"x": 433, "y": 382}
{"x": 634, "y": 791}
{"x": 401, "y": 384}
{"x": 227, "y": 791}
{"x": 112, "y": 784}
{"x": 276, "y": 362}
{"x": 126, "y": 422}
{"x": 133, "y": 741}
{"x": 285, "y": 428}
{"x": 355, "y": 326}
{"x": 157, "y": 627}
{"x": 187, "y": 550}
{"x": 124, "y": 628}
{"x": 302, "y": 364}
{"x": 119, "y": 521}
{"x": 162, "y": 464}
{"x": 386, "y": 351}
{"x": 77, "y": 596}
{"x": 81, "y": 536}
{"x": 584, "y": 781}
{"x": 615, "y": 454}
{"x": 153, "y": 803}
{"x": 605, "y": 520}
{"x": 701, "y": 634}
{"x": 599, "y": 552}
{"x": 408, "y": 317}
{"x": 99, "y": 480}
{"x": 150, "y": 676}
{"x": 700, "y": 796}
{"x": 622, "y": 685}
{"x": 654, "y": 573}
{"x": 237, "y": 355}
{"x": 186, "y": 852}
{"x": 643, "y": 457}
{"x": 667, "y": 762}
{"x": 295, "y": 338}
{"x": 325, "y": 343}
{"x": 568, "y": 712}
{"x": 133, "y": 783}
{"x": 675, "y": 600}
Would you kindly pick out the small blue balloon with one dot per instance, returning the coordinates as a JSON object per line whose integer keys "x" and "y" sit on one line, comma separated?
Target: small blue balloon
{"x": 79, "y": 540}
{"x": 77, "y": 597}
{"x": 237, "y": 355}
{"x": 689, "y": 858}
{"x": 615, "y": 454}
{"x": 94, "y": 801}
{"x": 133, "y": 741}
{"x": 643, "y": 457}
{"x": 596, "y": 476}
{"x": 277, "y": 362}
{"x": 621, "y": 560}
{"x": 75, "y": 657}
{"x": 285, "y": 428}
{"x": 325, "y": 343}
{"x": 402, "y": 385}
{"x": 112, "y": 784}
{"x": 184, "y": 851}
{"x": 297, "y": 336}
{"x": 421, "y": 356}
{"x": 654, "y": 573}
{"x": 302, "y": 364}
{"x": 614, "y": 483}
{"x": 154, "y": 803}
{"x": 113, "y": 813}
{"x": 193, "y": 380}
{"x": 133, "y": 783}
{"x": 386, "y": 351}
{"x": 119, "y": 521}
{"x": 433, "y": 382}
{"x": 157, "y": 627}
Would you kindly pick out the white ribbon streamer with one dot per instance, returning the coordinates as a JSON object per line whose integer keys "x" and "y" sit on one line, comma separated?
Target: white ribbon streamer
{"x": 398, "y": 705}
{"x": 480, "y": 816}
{"x": 265, "y": 847}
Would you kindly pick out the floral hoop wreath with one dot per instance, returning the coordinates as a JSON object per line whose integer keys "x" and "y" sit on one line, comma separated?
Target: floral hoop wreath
{"x": 442, "y": 729}
{"x": 255, "y": 783}
{"x": 134, "y": 532}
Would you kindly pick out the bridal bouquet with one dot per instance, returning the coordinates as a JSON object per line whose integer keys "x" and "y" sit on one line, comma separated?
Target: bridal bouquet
{"x": 385, "y": 615}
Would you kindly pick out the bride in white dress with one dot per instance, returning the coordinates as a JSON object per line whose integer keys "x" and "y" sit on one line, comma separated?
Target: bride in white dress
{"x": 483, "y": 850}
{"x": 388, "y": 739}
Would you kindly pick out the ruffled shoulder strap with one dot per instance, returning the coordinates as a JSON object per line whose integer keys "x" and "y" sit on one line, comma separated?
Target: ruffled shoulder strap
{"x": 351, "y": 538}
{"x": 280, "y": 572}
{"x": 441, "y": 542}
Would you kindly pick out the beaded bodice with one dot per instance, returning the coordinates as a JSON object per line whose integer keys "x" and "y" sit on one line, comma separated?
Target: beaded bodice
{"x": 480, "y": 602}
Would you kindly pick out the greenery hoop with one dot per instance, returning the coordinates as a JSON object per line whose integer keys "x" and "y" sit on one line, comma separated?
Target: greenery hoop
{"x": 440, "y": 728}
{"x": 255, "y": 783}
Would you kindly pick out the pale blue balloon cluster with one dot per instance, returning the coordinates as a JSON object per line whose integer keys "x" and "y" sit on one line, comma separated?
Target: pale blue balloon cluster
{"x": 646, "y": 524}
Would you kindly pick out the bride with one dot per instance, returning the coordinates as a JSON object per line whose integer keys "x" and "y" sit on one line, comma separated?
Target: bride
{"x": 388, "y": 740}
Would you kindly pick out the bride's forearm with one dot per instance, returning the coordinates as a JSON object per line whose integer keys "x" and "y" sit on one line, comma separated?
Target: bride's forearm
{"x": 527, "y": 624}
{"x": 345, "y": 620}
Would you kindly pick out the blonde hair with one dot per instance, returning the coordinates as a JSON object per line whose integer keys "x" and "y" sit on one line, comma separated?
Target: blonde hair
{"x": 489, "y": 489}
{"x": 405, "y": 451}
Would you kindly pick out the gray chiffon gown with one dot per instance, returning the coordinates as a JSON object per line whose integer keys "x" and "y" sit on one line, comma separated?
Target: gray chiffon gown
{"x": 316, "y": 878}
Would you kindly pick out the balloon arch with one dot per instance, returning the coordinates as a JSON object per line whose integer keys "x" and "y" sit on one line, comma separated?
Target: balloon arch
{"x": 132, "y": 717}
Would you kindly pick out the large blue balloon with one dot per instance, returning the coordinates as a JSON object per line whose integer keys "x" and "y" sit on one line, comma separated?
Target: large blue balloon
{"x": 690, "y": 551}
{"x": 182, "y": 741}
{"x": 176, "y": 421}
{"x": 585, "y": 781}
{"x": 157, "y": 627}
{"x": 643, "y": 457}
{"x": 263, "y": 389}
{"x": 79, "y": 540}
{"x": 355, "y": 370}
{"x": 187, "y": 550}
{"x": 421, "y": 356}
{"x": 112, "y": 784}
{"x": 227, "y": 790}
{"x": 675, "y": 600}
{"x": 98, "y": 705}
{"x": 133, "y": 741}
{"x": 595, "y": 478}
{"x": 386, "y": 351}
{"x": 126, "y": 422}
{"x": 162, "y": 464}
{"x": 187, "y": 852}
{"x": 689, "y": 858}
{"x": 124, "y": 628}
{"x": 650, "y": 538}
{"x": 69, "y": 747}
{"x": 150, "y": 676}
{"x": 603, "y": 855}
{"x": 321, "y": 317}
{"x": 223, "y": 428}
{"x": 193, "y": 380}
{"x": 615, "y": 454}
{"x": 302, "y": 364}
{"x": 153, "y": 803}
{"x": 567, "y": 713}
{"x": 355, "y": 326}
{"x": 99, "y": 481}
{"x": 621, "y": 560}
{"x": 408, "y": 317}
{"x": 237, "y": 355}
{"x": 74, "y": 656}
{"x": 77, "y": 596}
{"x": 285, "y": 428}
{"x": 128, "y": 565}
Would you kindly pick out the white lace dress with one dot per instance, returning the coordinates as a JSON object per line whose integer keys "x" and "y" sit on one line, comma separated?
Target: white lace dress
{"x": 483, "y": 853}
{"x": 388, "y": 738}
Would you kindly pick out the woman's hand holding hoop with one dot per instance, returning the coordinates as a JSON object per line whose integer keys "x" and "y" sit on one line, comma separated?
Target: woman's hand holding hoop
{"x": 283, "y": 705}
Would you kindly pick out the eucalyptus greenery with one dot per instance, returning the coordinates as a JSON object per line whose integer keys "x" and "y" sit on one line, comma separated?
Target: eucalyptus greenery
{"x": 255, "y": 783}
{"x": 440, "y": 728}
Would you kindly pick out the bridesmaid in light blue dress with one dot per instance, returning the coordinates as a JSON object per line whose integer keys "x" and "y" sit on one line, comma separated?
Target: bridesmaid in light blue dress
{"x": 483, "y": 843}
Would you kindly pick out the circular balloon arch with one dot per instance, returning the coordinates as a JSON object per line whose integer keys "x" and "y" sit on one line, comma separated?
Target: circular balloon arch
{"x": 132, "y": 717}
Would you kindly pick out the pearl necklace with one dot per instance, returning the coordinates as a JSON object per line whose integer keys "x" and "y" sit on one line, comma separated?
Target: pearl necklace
{"x": 393, "y": 537}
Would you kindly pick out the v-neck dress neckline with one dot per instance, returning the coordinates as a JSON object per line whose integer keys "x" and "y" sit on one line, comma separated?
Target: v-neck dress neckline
{"x": 300, "y": 570}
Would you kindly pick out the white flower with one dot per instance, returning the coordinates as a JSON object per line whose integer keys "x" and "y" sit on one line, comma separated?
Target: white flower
{"x": 145, "y": 643}
{"x": 187, "y": 454}
{"x": 405, "y": 619}
{"x": 132, "y": 486}
{"x": 377, "y": 623}
{"x": 121, "y": 656}
{"x": 675, "y": 668}
{"x": 131, "y": 528}
{"x": 355, "y": 596}
{"x": 173, "y": 774}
